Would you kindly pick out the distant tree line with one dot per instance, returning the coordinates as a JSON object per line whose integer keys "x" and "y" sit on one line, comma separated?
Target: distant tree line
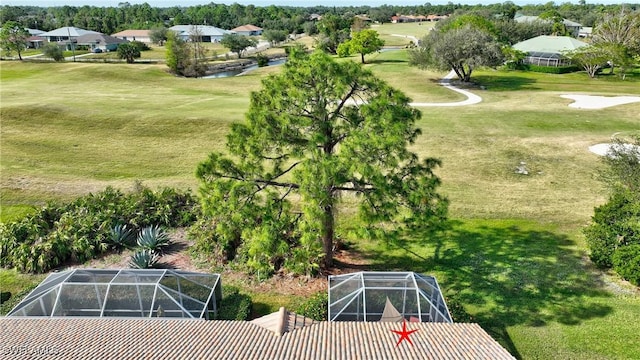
{"x": 109, "y": 20}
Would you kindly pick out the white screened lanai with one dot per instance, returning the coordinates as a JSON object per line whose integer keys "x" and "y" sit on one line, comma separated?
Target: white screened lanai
{"x": 124, "y": 293}
{"x": 366, "y": 296}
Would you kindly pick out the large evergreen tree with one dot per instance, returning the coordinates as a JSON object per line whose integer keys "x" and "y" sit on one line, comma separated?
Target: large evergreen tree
{"x": 320, "y": 134}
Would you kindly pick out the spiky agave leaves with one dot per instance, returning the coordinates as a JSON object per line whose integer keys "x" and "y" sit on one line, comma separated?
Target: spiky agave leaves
{"x": 144, "y": 259}
{"x": 153, "y": 238}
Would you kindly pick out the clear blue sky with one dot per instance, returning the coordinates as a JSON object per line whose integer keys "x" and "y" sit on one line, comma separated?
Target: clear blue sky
{"x": 185, "y": 3}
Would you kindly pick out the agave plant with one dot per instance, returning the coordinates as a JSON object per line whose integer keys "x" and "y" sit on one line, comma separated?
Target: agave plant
{"x": 153, "y": 238}
{"x": 121, "y": 237}
{"x": 144, "y": 259}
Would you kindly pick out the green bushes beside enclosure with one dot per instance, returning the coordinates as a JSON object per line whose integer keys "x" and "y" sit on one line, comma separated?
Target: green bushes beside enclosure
{"x": 82, "y": 229}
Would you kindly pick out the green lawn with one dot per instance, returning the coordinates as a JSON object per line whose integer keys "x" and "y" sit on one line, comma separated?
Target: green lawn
{"x": 515, "y": 257}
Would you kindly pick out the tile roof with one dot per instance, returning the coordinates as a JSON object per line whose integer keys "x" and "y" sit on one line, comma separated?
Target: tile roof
{"x": 283, "y": 321}
{"x": 119, "y": 338}
{"x": 143, "y": 33}
{"x": 248, "y": 27}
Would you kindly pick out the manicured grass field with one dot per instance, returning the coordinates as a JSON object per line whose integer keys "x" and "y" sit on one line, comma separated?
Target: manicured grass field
{"x": 388, "y": 32}
{"x": 514, "y": 258}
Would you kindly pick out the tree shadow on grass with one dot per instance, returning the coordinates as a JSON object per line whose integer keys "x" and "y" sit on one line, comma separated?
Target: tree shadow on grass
{"x": 504, "y": 83}
{"x": 508, "y": 276}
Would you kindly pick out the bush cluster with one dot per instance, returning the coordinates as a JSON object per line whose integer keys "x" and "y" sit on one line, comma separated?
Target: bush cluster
{"x": 615, "y": 225}
{"x": 551, "y": 69}
{"x": 234, "y": 305}
{"x": 81, "y": 230}
{"x": 613, "y": 236}
{"x": 626, "y": 262}
{"x": 316, "y": 307}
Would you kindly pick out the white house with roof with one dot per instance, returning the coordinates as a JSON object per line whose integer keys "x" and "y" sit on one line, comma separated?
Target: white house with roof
{"x": 205, "y": 32}
{"x": 248, "y": 30}
{"x": 143, "y": 36}
{"x": 65, "y": 34}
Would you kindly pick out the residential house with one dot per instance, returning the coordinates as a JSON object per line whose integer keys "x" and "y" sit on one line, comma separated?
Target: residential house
{"x": 65, "y": 34}
{"x": 434, "y": 17}
{"x": 248, "y": 30}
{"x": 283, "y": 336}
{"x": 416, "y": 18}
{"x": 572, "y": 27}
{"x": 35, "y": 41}
{"x": 143, "y": 36}
{"x": 206, "y": 33}
{"x": 548, "y": 50}
{"x": 585, "y": 32}
{"x": 100, "y": 41}
{"x": 95, "y": 314}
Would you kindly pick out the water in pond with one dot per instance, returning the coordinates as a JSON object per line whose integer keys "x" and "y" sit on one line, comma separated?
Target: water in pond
{"x": 230, "y": 73}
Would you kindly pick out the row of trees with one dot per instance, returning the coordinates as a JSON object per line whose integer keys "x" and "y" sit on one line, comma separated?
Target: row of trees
{"x": 468, "y": 41}
{"x": 109, "y": 20}
{"x": 616, "y": 42}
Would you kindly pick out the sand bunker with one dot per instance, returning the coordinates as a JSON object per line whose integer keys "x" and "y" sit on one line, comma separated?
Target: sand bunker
{"x": 599, "y": 102}
{"x": 605, "y": 148}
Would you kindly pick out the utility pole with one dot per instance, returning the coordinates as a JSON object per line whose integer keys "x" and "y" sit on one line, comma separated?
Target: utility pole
{"x": 73, "y": 47}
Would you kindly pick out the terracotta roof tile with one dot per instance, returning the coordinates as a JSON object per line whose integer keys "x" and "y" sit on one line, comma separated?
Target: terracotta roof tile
{"x": 118, "y": 338}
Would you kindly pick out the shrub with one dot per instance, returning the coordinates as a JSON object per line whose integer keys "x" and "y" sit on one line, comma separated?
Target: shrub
{"x": 457, "y": 311}
{"x": 140, "y": 45}
{"x": 144, "y": 259}
{"x": 82, "y": 229}
{"x": 153, "y": 238}
{"x": 262, "y": 60}
{"x": 626, "y": 262}
{"x": 551, "y": 69}
{"x": 52, "y": 50}
{"x": 121, "y": 237}
{"x": 614, "y": 224}
{"x": 316, "y": 307}
{"x": 10, "y": 303}
{"x": 234, "y": 305}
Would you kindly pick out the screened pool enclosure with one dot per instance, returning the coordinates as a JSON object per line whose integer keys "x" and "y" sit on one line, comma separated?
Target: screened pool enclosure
{"x": 386, "y": 296}
{"x": 124, "y": 293}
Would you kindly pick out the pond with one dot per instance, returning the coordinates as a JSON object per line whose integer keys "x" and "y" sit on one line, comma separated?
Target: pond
{"x": 236, "y": 72}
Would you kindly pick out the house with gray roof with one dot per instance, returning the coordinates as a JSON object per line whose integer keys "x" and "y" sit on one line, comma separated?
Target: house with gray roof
{"x": 65, "y": 34}
{"x": 547, "y": 50}
{"x": 206, "y": 33}
{"x": 100, "y": 41}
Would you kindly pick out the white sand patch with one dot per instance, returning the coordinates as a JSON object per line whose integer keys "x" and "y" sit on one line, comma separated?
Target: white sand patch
{"x": 605, "y": 148}
{"x": 599, "y": 102}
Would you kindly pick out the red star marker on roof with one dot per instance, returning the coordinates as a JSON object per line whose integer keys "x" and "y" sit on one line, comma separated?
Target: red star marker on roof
{"x": 404, "y": 334}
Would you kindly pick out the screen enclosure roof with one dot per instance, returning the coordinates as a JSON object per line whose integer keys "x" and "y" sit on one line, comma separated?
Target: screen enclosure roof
{"x": 136, "y": 293}
{"x": 386, "y": 296}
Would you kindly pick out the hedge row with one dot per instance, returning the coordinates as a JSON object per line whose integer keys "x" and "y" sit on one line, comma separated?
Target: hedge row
{"x": 79, "y": 231}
